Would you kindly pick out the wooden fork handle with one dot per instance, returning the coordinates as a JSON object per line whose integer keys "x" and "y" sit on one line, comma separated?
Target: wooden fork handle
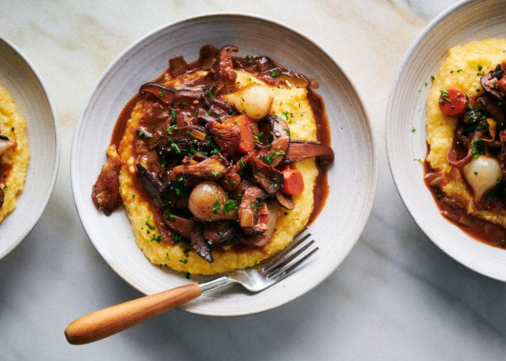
{"x": 109, "y": 321}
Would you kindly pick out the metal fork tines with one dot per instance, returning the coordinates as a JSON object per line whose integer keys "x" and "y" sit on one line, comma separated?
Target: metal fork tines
{"x": 273, "y": 270}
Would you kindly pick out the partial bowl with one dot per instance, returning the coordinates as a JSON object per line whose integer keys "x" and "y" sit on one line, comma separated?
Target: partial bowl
{"x": 22, "y": 81}
{"x": 406, "y": 132}
{"x": 352, "y": 177}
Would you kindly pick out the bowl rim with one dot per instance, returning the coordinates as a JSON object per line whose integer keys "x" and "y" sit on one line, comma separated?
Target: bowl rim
{"x": 366, "y": 208}
{"x": 56, "y": 159}
{"x": 455, "y": 8}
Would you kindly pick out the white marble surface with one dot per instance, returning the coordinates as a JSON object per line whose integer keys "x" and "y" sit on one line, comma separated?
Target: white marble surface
{"x": 396, "y": 296}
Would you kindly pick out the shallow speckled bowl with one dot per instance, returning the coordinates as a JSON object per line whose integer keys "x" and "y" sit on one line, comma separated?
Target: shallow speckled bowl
{"x": 20, "y": 78}
{"x": 352, "y": 178}
{"x": 464, "y": 22}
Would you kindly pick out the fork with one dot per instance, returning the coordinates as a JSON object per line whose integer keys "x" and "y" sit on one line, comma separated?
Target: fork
{"x": 111, "y": 320}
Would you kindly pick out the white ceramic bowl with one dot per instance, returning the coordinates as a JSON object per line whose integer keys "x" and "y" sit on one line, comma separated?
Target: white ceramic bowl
{"x": 20, "y": 79}
{"x": 464, "y": 22}
{"x": 352, "y": 178}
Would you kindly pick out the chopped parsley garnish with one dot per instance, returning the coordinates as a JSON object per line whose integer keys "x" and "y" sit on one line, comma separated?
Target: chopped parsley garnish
{"x": 156, "y": 238}
{"x": 268, "y": 159}
{"x": 216, "y": 206}
{"x": 232, "y": 182}
{"x": 169, "y": 216}
{"x": 151, "y": 227}
{"x": 183, "y": 261}
{"x": 170, "y": 128}
{"x": 173, "y": 116}
{"x": 215, "y": 174}
{"x": 285, "y": 114}
{"x": 250, "y": 61}
{"x": 210, "y": 94}
{"x": 257, "y": 137}
{"x": 230, "y": 206}
{"x": 161, "y": 94}
{"x": 275, "y": 73}
{"x": 174, "y": 146}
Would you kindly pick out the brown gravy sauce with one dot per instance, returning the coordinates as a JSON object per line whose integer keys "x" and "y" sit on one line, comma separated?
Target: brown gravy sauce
{"x": 485, "y": 232}
{"x": 5, "y": 169}
{"x": 321, "y": 189}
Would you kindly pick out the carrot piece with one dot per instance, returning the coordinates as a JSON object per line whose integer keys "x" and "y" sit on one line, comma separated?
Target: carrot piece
{"x": 248, "y": 129}
{"x": 453, "y": 102}
{"x": 293, "y": 183}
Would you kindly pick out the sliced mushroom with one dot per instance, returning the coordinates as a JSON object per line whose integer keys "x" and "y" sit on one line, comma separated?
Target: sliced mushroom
{"x": 226, "y": 68}
{"x": 269, "y": 178}
{"x": 226, "y": 135}
{"x": 452, "y": 154}
{"x": 105, "y": 193}
{"x": 212, "y": 168}
{"x": 199, "y": 244}
{"x": 285, "y": 200}
{"x": 299, "y": 150}
{"x": 279, "y": 138}
{"x": 219, "y": 232}
{"x": 208, "y": 56}
{"x": 161, "y": 192}
{"x": 178, "y": 224}
{"x": 159, "y": 91}
{"x": 186, "y": 97}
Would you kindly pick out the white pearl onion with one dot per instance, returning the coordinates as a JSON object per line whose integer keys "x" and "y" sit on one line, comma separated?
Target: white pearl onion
{"x": 482, "y": 173}
{"x": 253, "y": 100}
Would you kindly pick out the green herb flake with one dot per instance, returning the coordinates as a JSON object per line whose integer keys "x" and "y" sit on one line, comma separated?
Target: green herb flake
{"x": 275, "y": 73}
{"x": 156, "y": 238}
{"x": 230, "y": 206}
{"x": 150, "y": 226}
{"x": 169, "y": 216}
{"x": 216, "y": 206}
{"x": 210, "y": 94}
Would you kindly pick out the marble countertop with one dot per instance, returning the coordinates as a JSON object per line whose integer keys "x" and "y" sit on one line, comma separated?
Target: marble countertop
{"x": 396, "y": 296}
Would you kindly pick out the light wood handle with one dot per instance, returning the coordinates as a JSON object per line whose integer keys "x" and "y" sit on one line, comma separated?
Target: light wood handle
{"x": 109, "y": 321}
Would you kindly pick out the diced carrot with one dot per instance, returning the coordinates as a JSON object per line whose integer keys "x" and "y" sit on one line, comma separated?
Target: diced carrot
{"x": 248, "y": 129}
{"x": 293, "y": 182}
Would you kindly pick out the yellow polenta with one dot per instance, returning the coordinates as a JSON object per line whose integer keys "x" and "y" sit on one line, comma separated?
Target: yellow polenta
{"x": 290, "y": 103}
{"x": 462, "y": 69}
{"x": 12, "y": 125}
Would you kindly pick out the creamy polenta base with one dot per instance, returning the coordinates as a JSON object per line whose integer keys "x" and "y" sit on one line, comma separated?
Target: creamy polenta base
{"x": 290, "y": 103}
{"x": 462, "y": 69}
{"x": 12, "y": 125}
